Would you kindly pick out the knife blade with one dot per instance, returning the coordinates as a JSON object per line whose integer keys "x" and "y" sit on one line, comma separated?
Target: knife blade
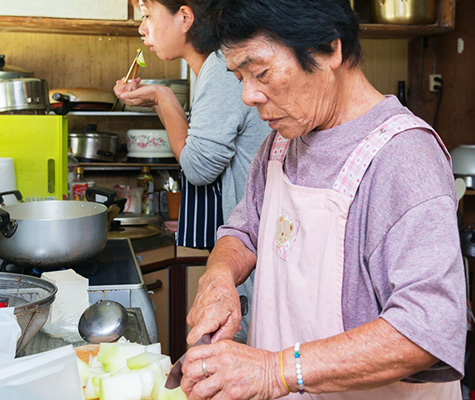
{"x": 175, "y": 375}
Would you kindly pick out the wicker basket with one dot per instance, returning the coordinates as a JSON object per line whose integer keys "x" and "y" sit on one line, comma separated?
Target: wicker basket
{"x": 31, "y": 297}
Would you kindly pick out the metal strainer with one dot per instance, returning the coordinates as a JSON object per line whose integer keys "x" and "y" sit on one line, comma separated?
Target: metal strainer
{"x": 31, "y": 297}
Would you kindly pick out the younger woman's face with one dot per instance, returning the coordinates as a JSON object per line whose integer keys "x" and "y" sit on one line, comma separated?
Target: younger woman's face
{"x": 165, "y": 33}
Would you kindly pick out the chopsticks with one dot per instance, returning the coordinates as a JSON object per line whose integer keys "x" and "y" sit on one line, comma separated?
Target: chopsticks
{"x": 134, "y": 67}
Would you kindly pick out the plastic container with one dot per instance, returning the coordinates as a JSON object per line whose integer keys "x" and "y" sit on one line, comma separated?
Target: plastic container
{"x": 133, "y": 196}
{"x": 52, "y": 375}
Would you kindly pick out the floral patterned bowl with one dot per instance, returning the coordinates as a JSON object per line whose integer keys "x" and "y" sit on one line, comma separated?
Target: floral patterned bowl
{"x": 148, "y": 143}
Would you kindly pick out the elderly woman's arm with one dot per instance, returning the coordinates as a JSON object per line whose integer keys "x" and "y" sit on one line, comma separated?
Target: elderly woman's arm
{"x": 216, "y": 306}
{"x": 366, "y": 357}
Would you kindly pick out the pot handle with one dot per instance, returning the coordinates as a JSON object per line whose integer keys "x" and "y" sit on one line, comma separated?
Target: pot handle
{"x": 17, "y": 194}
{"x": 66, "y": 103}
{"x": 7, "y": 227}
{"x": 93, "y": 193}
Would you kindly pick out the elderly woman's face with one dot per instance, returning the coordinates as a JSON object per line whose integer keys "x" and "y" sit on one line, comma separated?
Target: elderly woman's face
{"x": 292, "y": 100}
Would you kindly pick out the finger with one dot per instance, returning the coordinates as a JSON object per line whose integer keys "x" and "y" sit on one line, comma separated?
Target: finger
{"x": 207, "y": 388}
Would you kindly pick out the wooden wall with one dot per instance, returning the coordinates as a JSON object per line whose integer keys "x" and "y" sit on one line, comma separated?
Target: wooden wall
{"x": 439, "y": 55}
{"x": 81, "y": 60}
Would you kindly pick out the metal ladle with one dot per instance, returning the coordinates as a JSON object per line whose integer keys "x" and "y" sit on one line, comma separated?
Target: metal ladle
{"x": 103, "y": 321}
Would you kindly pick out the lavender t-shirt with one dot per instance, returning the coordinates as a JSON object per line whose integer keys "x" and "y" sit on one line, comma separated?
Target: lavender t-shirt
{"x": 402, "y": 252}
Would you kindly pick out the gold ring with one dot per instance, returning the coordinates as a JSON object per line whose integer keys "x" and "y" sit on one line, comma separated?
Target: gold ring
{"x": 203, "y": 366}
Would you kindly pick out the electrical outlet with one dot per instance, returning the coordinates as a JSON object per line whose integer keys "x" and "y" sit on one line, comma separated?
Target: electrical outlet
{"x": 433, "y": 82}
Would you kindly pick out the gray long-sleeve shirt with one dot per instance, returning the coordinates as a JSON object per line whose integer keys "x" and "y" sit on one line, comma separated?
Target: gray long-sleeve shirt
{"x": 224, "y": 133}
{"x": 402, "y": 250}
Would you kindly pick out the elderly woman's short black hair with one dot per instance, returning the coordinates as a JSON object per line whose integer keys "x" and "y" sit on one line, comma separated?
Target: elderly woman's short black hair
{"x": 306, "y": 26}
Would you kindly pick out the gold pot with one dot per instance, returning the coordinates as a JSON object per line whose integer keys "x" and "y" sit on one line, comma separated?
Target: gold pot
{"x": 403, "y": 12}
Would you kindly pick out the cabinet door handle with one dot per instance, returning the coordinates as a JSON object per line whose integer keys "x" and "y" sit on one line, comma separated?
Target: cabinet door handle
{"x": 155, "y": 285}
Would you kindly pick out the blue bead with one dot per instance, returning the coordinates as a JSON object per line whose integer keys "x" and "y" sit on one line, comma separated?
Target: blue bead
{"x": 300, "y": 381}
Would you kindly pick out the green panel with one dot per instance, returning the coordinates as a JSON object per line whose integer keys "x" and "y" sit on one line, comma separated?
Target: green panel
{"x": 38, "y": 145}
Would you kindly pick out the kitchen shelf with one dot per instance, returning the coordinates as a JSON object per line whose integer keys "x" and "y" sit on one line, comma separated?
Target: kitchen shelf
{"x": 111, "y": 113}
{"x": 129, "y": 27}
{"x": 88, "y": 166}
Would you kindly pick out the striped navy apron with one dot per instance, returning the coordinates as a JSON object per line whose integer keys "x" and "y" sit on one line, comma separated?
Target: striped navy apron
{"x": 201, "y": 213}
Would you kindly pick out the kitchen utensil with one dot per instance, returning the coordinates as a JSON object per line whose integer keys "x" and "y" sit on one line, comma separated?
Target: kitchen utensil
{"x": 175, "y": 375}
{"x": 93, "y": 145}
{"x": 31, "y": 297}
{"x": 23, "y": 94}
{"x": 50, "y": 234}
{"x": 103, "y": 321}
{"x": 148, "y": 143}
{"x": 64, "y": 100}
{"x": 463, "y": 164}
{"x": 134, "y": 67}
{"x": 403, "y": 12}
{"x": 11, "y": 71}
{"x": 174, "y": 199}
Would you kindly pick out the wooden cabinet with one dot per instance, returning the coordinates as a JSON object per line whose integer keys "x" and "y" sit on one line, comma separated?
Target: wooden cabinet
{"x": 129, "y": 26}
{"x": 158, "y": 289}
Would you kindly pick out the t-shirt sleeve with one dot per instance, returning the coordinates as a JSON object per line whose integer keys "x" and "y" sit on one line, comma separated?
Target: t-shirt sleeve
{"x": 217, "y": 117}
{"x": 425, "y": 271}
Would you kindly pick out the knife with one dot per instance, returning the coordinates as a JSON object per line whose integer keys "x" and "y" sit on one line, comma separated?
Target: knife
{"x": 175, "y": 375}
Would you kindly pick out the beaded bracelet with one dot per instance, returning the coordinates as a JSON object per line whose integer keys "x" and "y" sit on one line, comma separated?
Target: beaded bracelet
{"x": 298, "y": 367}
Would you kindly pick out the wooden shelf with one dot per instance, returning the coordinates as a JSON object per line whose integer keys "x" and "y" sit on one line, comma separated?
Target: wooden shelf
{"x": 445, "y": 23}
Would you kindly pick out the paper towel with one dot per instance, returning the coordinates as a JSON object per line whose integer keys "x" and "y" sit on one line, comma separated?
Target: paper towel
{"x": 7, "y": 179}
{"x": 10, "y": 332}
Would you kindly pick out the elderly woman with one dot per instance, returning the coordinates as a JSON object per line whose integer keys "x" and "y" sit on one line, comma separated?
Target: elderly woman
{"x": 349, "y": 220}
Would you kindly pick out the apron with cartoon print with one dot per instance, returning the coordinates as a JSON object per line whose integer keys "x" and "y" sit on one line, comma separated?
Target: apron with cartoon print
{"x": 301, "y": 257}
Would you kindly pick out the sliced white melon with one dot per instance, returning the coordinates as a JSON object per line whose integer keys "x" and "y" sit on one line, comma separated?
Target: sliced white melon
{"x": 142, "y": 360}
{"x": 84, "y": 371}
{"x": 154, "y": 348}
{"x": 113, "y": 356}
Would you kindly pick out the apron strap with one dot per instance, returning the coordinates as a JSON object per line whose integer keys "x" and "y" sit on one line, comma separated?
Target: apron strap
{"x": 355, "y": 167}
{"x": 279, "y": 148}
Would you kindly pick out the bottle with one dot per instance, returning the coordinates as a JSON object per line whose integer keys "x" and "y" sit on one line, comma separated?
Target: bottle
{"x": 72, "y": 164}
{"x": 401, "y": 93}
{"x": 79, "y": 185}
{"x": 145, "y": 181}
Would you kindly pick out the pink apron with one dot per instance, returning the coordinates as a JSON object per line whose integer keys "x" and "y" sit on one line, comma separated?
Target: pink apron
{"x": 300, "y": 261}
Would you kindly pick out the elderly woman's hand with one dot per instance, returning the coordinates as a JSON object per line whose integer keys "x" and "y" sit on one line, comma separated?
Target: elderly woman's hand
{"x": 216, "y": 308}
{"x": 231, "y": 370}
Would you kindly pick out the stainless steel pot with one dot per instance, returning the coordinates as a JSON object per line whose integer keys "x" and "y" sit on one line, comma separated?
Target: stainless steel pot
{"x": 93, "y": 145}
{"x": 403, "y": 12}
{"x": 23, "y": 94}
{"x": 52, "y": 234}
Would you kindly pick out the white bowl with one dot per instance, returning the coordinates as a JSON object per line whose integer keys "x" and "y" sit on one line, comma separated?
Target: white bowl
{"x": 148, "y": 143}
